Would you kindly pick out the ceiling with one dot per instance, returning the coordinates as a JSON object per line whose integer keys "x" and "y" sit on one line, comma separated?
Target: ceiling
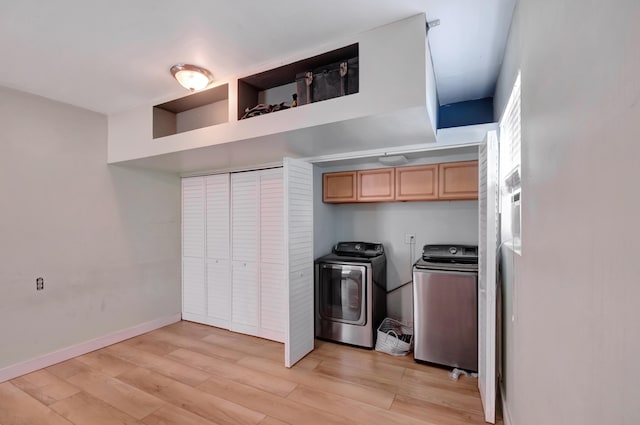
{"x": 111, "y": 56}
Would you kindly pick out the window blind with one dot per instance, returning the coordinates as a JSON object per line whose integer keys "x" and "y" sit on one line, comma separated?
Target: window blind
{"x": 510, "y": 138}
{"x": 510, "y": 174}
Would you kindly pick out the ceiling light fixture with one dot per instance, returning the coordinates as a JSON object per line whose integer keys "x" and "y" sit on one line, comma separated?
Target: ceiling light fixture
{"x": 191, "y": 77}
{"x": 393, "y": 160}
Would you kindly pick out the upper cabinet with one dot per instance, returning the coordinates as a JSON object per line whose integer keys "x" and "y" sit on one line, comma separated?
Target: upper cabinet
{"x": 418, "y": 183}
{"x": 375, "y": 185}
{"x": 339, "y": 187}
{"x": 389, "y": 107}
{"x": 458, "y": 180}
{"x": 446, "y": 181}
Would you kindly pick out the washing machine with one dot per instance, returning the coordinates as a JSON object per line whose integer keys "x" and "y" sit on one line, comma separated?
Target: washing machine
{"x": 445, "y": 306}
{"x": 350, "y": 293}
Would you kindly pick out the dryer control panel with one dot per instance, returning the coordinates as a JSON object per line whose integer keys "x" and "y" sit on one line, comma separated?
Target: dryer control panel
{"x": 359, "y": 249}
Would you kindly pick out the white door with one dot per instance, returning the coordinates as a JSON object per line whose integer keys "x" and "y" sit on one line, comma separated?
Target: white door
{"x": 272, "y": 276}
{"x": 298, "y": 212}
{"x": 244, "y": 252}
{"x": 217, "y": 247}
{"x": 244, "y": 308}
{"x": 272, "y": 301}
{"x": 194, "y": 304}
{"x": 487, "y": 246}
{"x": 218, "y": 292}
{"x": 244, "y": 216}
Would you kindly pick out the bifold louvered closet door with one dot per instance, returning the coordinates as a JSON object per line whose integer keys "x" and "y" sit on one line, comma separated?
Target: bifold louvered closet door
{"x": 194, "y": 289}
{"x": 233, "y": 252}
{"x": 217, "y": 247}
{"x": 245, "y": 203}
{"x": 272, "y": 251}
{"x": 257, "y": 240}
{"x": 206, "y": 286}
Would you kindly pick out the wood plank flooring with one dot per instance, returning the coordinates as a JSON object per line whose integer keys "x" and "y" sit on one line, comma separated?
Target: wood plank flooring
{"x": 191, "y": 374}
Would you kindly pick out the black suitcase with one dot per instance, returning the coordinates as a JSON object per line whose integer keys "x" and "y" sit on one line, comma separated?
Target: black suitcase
{"x": 326, "y": 82}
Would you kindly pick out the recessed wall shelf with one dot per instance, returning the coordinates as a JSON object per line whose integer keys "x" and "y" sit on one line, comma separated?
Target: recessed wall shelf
{"x": 277, "y": 85}
{"x": 198, "y": 110}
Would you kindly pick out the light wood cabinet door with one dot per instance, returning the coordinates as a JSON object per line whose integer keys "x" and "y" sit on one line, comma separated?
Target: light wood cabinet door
{"x": 339, "y": 187}
{"x": 376, "y": 185}
{"x": 417, "y": 183}
{"x": 458, "y": 180}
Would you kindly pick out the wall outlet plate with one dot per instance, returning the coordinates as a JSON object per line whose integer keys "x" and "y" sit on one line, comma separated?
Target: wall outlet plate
{"x": 409, "y": 238}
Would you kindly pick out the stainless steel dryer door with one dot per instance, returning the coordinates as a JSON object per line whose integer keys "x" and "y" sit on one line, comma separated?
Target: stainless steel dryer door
{"x": 342, "y": 293}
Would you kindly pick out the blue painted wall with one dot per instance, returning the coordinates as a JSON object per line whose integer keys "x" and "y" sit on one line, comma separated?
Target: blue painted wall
{"x": 471, "y": 112}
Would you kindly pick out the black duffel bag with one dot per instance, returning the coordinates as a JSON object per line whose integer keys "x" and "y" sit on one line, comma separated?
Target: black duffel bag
{"x": 326, "y": 82}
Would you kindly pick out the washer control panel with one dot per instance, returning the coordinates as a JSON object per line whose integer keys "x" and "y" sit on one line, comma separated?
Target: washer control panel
{"x": 450, "y": 253}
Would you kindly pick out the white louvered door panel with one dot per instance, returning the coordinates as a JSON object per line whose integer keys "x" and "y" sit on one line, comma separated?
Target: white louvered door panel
{"x": 193, "y": 204}
{"x": 244, "y": 216}
{"x": 194, "y": 300}
{"x": 272, "y": 277}
{"x": 217, "y": 188}
{"x": 487, "y": 246}
{"x": 271, "y": 217}
{"x": 219, "y": 292}
{"x": 244, "y": 252}
{"x": 298, "y": 192}
{"x": 272, "y": 301}
{"x": 482, "y": 263}
{"x": 218, "y": 209}
{"x": 244, "y": 307}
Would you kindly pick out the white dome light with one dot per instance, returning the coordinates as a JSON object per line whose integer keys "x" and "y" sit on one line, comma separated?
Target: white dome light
{"x": 191, "y": 77}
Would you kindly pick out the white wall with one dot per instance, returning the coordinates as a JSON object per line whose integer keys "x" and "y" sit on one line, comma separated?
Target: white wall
{"x": 433, "y": 103}
{"x": 105, "y": 239}
{"x": 206, "y": 115}
{"x": 278, "y": 94}
{"x": 431, "y": 222}
{"x": 575, "y": 342}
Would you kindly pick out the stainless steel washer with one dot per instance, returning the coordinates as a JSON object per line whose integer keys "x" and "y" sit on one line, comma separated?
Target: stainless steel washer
{"x": 350, "y": 293}
{"x": 445, "y": 306}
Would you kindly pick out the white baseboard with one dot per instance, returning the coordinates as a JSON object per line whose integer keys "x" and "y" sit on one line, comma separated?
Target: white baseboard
{"x": 67, "y": 353}
{"x": 506, "y": 415}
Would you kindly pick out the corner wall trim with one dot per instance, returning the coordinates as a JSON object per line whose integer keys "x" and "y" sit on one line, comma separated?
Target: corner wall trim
{"x": 506, "y": 415}
{"x": 67, "y": 353}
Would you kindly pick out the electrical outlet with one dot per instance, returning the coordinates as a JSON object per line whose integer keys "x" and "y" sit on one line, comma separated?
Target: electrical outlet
{"x": 39, "y": 284}
{"x": 409, "y": 238}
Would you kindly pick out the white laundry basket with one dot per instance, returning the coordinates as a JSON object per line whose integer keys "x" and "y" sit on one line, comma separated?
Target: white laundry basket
{"x": 394, "y": 338}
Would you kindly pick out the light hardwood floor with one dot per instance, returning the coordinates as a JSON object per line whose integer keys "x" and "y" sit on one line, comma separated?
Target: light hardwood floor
{"x": 191, "y": 374}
